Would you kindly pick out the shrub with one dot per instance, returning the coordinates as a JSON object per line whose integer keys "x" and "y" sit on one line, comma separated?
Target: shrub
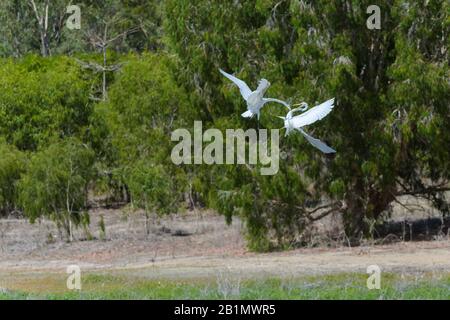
{"x": 153, "y": 189}
{"x": 56, "y": 183}
{"x": 12, "y": 165}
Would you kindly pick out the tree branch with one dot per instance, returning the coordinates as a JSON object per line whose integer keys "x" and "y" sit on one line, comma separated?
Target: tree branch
{"x": 428, "y": 190}
{"x": 335, "y": 206}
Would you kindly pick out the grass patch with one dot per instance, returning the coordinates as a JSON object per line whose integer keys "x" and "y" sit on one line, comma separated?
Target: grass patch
{"x": 338, "y": 286}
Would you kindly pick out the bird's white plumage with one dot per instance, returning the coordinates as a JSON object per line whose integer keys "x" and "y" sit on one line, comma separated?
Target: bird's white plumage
{"x": 317, "y": 113}
{"x": 247, "y": 114}
{"x": 317, "y": 143}
{"x": 243, "y": 87}
{"x": 312, "y": 115}
{"x": 255, "y": 99}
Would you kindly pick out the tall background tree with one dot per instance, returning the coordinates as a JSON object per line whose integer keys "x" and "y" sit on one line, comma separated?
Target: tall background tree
{"x": 39, "y": 26}
{"x": 392, "y": 93}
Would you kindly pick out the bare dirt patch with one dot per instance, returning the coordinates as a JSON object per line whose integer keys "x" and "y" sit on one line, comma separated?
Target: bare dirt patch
{"x": 39, "y": 246}
{"x": 192, "y": 245}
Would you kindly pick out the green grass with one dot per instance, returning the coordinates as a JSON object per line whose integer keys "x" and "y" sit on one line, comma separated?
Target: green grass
{"x": 340, "y": 286}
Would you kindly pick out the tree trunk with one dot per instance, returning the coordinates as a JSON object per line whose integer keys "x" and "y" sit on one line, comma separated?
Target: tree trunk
{"x": 42, "y": 20}
{"x": 70, "y": 230}
{"x": 104, "y": 48}
{"x": 364, "y": 207}
{"x": 353, "y": 218}
{"x": 147, "y": 228}
{"x": 45, "y": 50}
{"x": 104, "y": 92}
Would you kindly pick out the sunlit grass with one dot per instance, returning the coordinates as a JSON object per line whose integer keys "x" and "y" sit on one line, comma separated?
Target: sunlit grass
{"x": 338, "y": 286}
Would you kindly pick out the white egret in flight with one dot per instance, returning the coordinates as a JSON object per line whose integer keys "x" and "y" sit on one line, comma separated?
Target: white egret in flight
{"x": 255, "y": 99}
{"x": 309, "y": 117}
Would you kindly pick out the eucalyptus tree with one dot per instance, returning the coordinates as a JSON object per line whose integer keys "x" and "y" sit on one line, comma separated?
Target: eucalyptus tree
{"x": 33, "y": 26}
{"x": 40, "y": 26}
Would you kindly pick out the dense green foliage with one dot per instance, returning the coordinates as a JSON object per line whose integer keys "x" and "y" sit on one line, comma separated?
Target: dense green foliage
{"x": 43, "y": 99}
{"x": 56, "y": 184}
{"x": 12, "y": 165}
{"x": 389, "y": 125}
{"x": 141, "y": 123}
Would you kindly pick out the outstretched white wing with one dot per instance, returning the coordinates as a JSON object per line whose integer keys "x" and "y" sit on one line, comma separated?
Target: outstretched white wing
{"x": 312, "y": 115}
{"x": 243, "y": 87}
{"x": 317, "y": 143}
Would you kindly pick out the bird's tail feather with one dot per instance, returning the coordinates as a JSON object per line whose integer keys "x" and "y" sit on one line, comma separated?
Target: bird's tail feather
{"x": 247, "y": 114}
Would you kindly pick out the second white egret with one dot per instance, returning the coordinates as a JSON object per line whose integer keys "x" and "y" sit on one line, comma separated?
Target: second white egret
{"x": 309, "y": 117}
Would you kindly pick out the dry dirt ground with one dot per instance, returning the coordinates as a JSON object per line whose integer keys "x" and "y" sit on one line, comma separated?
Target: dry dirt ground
{"x": 190, "y": 246}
